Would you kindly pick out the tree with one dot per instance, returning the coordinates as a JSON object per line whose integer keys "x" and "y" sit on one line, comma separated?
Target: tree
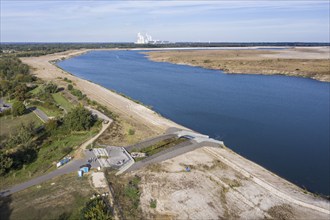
{"x": 70, "y": 87}
{"x": 79, "y": 119}
{"x": 5, "y": 163}
{"x": 18, "y": 108}
{"x": 50, "y": 88}
{"x": 21, "y": 92}
{"x": 51, "y": 125}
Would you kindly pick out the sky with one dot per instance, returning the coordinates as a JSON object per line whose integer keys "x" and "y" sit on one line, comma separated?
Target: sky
{"x": 175, "y": 21}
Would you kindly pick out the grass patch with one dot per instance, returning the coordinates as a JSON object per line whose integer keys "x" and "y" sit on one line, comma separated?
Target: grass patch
{"x": 9, "y": 124}
{"x": 60, "y": 100}
{"x": 162, "y": 145}
{"x": 36, "y": 90}
{"x": 60, "y": 198}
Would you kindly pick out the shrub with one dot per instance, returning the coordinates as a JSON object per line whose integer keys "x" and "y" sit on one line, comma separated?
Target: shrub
{"x": 5, "y": 112}
{"x": 18, "y": 108}
{"x": 50, "y": 88}
{"x": 153, "y": 203}
{"x": 96, "y": 209}
{"x": 66, "y": 150}
{"x": 131, "y": 131}
{"x": 70, "y": 87}
{"x": 51, "y": 125}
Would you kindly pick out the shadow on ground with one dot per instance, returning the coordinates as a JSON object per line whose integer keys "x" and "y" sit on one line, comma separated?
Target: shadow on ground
{"x": 5, "y": 210}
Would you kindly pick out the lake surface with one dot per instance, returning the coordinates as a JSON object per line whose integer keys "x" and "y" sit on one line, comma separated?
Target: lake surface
{"x": 279, "y": 122}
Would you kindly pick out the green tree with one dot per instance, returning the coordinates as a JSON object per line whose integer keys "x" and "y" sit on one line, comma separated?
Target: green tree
{"x": 50, "y": 88}
{"x": 70, "y": 87}
{"x": 18, "y": 108}
{"x": 79, "y": 119}
{"x": 21, "y": 91}
{"x": 5, "y": 163}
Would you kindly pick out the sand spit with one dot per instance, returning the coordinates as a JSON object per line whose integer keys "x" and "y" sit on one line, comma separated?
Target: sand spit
{"x": 221, "y": 184}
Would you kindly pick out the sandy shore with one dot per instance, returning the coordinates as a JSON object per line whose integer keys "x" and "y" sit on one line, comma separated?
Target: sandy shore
{"x": 260, "y": 186}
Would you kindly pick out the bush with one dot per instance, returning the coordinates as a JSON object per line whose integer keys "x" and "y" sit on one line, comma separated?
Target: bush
{"x": 66, "y": 150}
{"x": 67, "y": 80}
{"x": 18, "y": 108}
{"x": 5, "y": 163}
{"x": 95, "y": 209}
{"x": 70, "y": 87}
{"x": 5, "y": 112}
{"x": 51, "y": 125}
{"x": 153, "y": 203}
{"x": 50, "y": 88}
{"x": 131, "y": 131}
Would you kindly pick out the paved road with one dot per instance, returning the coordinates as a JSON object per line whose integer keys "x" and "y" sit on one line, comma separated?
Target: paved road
{"x": 67, "y": 168}
{"x": 43, "y": 117}
{"x": 174, "y": 151}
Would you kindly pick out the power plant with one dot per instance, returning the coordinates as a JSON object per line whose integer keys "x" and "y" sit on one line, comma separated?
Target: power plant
{"x": 147, "y": 39}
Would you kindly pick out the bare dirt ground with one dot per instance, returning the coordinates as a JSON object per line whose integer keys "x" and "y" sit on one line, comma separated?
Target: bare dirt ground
{"x": 311, "y": 62}
{"x": 221, "y": 186}
{"x": 99, "y": 180}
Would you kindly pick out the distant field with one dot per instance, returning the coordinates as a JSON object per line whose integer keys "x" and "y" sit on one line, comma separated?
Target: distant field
{"x": 304, "y": 62}
{"x": 8, "y": 124}
{"x": 59, "y": 198}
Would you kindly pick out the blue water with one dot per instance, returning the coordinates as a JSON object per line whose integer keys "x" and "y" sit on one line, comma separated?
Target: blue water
{"x": 281, "y": 123}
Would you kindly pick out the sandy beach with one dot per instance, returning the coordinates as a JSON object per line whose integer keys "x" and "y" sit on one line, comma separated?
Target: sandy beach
{"x": 257, "y": 195}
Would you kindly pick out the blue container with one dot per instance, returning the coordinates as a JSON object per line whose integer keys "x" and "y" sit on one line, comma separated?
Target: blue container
{"x": 84, "y": 169}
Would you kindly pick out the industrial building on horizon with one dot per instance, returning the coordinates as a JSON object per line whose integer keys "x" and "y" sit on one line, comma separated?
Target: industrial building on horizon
{"x": 147, "y": 39}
